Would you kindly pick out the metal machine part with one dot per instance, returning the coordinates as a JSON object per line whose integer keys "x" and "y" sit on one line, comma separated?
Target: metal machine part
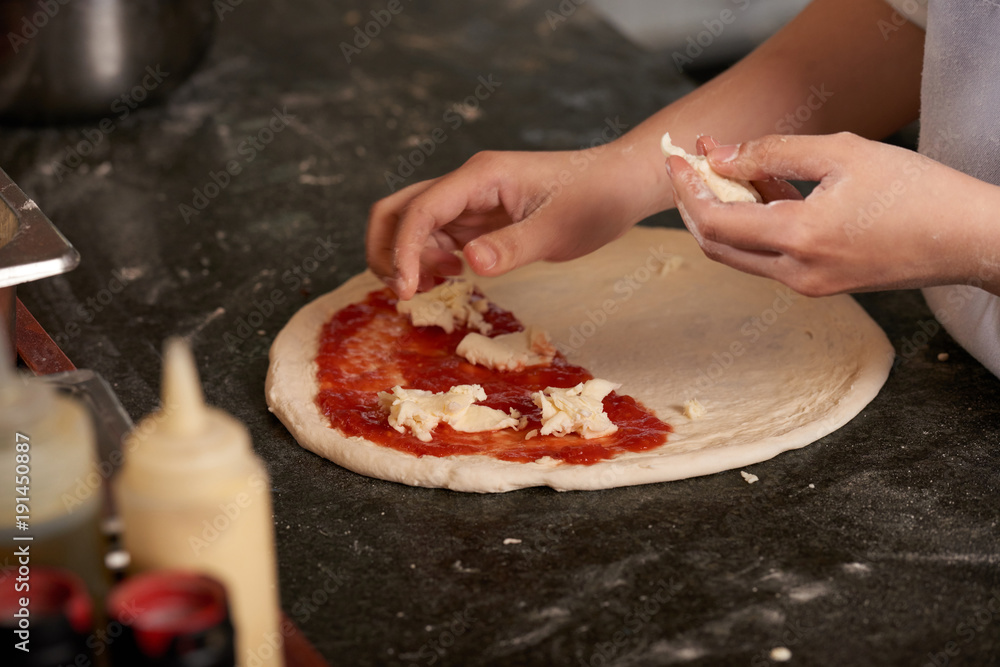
{"x": 30, "y": 248}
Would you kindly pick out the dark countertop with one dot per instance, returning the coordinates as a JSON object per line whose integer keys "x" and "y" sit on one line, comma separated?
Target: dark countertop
{"x": 876, "y": 545}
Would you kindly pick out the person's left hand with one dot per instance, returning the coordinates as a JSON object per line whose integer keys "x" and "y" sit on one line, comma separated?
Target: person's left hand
{"x": 881, "y": 217}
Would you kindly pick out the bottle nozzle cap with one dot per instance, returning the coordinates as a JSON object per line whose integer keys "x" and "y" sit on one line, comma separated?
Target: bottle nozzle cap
{"x": 183, "y": 408}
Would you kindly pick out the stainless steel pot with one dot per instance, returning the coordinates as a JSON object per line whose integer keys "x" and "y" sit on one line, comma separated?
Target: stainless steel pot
{"x": 66, "y": 60}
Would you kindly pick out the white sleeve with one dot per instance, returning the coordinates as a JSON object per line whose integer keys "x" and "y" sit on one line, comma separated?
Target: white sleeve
{"x": 972, "y": 317}
{"x": 913, "y": 10}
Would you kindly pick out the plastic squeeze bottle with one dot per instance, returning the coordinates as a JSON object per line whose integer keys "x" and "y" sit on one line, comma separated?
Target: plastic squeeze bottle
{"x": 192, "y": 495}
{"x": 53, "y": 492}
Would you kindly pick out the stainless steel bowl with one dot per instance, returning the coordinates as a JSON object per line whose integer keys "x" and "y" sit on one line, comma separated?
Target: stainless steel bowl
{"x": 68, "y": 60}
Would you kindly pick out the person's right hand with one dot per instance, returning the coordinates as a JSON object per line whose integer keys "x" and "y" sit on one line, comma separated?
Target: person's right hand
{"x": 504, "y": 210}
{"x": 771, "y": 189}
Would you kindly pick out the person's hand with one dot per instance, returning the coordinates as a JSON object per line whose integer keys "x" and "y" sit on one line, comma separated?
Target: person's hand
{"x": 881, "y": 217}
{"x": 771, "y": 189}
{"x": 504, "y": 210}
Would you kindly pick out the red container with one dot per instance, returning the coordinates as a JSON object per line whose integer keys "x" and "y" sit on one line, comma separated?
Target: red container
{"x": 47, "y": 611}
{"x": 171, "y": 619}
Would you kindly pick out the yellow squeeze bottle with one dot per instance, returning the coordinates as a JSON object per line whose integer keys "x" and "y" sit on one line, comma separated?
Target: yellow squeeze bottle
{"x": 53, "y": 499}
{"x": 192, "y": 495}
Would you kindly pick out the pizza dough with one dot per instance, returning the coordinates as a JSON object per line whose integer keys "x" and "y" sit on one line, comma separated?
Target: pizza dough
{"x": 773, "y": 370}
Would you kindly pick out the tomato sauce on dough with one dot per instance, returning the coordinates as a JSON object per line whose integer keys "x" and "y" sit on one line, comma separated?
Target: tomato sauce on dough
{"x": 368, "y": 347}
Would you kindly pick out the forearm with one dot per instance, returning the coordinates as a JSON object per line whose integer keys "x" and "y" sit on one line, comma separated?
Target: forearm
{"x": 828, "y": 70}
{"x": 972, "y": 229}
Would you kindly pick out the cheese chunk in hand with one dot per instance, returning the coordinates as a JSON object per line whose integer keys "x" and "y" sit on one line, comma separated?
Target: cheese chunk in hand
{"x": 726, "y": 189}
{"x": 578, "y": 409}
{"x": 421, "y": 411}
{"x": 446, "y": 305}
{"x": 508, "y": 352}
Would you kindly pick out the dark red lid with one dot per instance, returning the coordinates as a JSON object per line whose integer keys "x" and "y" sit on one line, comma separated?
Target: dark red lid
{"x": 159, "y": 606}
{"x": 53, "y": 592}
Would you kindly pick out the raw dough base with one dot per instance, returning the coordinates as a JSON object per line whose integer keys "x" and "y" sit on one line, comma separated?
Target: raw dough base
{"x": 774, "y": 370}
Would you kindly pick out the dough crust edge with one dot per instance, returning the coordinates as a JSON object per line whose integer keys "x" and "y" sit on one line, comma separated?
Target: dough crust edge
{"x": 291, "y": 387}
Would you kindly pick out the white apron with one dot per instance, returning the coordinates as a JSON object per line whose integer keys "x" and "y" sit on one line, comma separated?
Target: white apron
{"x": 960, "y": 127}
